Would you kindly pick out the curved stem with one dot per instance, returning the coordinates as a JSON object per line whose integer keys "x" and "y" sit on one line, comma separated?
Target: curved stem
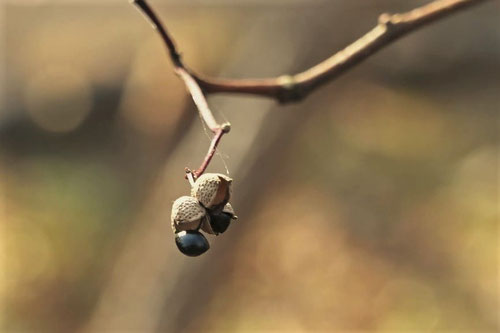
{"x": 211, "y": 152}
{"x": 191, "y": 83}
{"x": 290, "y": 88}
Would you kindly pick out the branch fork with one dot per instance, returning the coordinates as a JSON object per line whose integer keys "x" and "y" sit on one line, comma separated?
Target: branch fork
{"x": 293, "y": 88}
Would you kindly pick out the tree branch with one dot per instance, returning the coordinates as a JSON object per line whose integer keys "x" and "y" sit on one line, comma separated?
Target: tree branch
{"x": 191, "y": 83}
{"x": 291, "y": 88}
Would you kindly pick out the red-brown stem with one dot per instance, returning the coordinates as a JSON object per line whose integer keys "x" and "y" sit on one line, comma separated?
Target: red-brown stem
{"x": 160, "y": 28}
{"x": 211, "y": 152}
{"x": 290, "y": 88}
{"x": 191, "y": 83}
{"x": 180, "y": 69}
{"x": 199, "y": 98}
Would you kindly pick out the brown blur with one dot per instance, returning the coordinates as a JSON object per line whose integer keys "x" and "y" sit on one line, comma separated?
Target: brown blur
{"x": 370, "y": 206}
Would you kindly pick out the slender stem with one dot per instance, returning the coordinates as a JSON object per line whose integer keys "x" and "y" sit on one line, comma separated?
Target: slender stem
{"x": 160, "y": 28}
{"x": 211, "y": 152}
{"x": 189, "y": 176}
{"x": 191, "y": 83}
{"x": 199, "y": 98}
{"x": 290, "y": 88}
{"x": 181, "y": 70}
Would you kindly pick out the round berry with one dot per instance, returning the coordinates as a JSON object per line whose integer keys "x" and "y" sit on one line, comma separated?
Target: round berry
{"x": 220, "y": 222}
{"x": 191, "y": 243}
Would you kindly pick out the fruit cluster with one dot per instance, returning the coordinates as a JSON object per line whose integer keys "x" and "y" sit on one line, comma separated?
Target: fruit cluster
{"x": 207, "y": 208}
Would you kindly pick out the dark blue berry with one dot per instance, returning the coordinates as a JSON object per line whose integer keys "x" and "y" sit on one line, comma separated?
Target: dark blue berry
{"x": 220, "y": 222}
{"x": 191, "y": 243}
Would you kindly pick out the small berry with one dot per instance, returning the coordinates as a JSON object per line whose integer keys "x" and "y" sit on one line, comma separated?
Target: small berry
{"x": 191, "y": 243}
{"x": 218, "y": 222}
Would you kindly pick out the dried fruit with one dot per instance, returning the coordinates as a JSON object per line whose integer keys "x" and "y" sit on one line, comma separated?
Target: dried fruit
{"x": 191, "y": 243}
{"x": 228, "y": 209}
{"x": 212, "y": 190}
{"x": 207, "y": 209}
{"x": 187, "y": 214}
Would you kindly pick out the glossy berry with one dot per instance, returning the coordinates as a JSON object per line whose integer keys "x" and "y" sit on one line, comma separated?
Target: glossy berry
{"x": 220, "y": 222}
{"x": 191, "y": 243}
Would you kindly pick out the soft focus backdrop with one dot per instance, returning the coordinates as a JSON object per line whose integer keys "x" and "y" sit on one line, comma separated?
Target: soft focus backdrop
{"x": 370, "y": 206}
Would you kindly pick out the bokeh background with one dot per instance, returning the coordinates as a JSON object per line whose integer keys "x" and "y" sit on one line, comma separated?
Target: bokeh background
{"x": 370, "y": 206}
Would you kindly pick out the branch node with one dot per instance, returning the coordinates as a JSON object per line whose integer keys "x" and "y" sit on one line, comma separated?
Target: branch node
{"x": 226, "y": 127}
{"x": 289, "y": 90}
{"x": 176, "y": 58}
{"x": 292, "y": 88}
{"x": 385, "y": 19}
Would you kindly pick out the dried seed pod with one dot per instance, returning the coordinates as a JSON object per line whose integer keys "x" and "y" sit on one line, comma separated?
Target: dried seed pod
{"x": 218, "y": 222}
{"x": 191, "y": 243}
{"x": 212, "y": 190}
{"x": 187, "y": 214}
{"x": 207, "y": 226}
{"x": 228, "y": 209}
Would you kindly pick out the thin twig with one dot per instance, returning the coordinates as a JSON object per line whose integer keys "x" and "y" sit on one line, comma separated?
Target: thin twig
{"x": 191, "y": 83}
{"x": 290, "y": 88}
{"x": 211, "y": 151}
{"x": 160, "y": 27}
{"x": 181, "y": 70}
{"x": 198, "y": 98}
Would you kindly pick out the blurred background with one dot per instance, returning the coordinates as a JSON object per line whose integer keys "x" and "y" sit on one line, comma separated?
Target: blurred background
{"x": 370, "y": 206}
